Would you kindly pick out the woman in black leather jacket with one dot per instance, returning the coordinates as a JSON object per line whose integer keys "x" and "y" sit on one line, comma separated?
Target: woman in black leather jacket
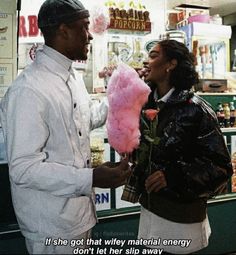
{"x": 189, "y": 161}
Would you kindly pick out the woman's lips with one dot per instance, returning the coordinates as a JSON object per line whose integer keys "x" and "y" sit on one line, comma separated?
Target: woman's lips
{"x": 143, "y": 72}
{"x": 146, "y": 71}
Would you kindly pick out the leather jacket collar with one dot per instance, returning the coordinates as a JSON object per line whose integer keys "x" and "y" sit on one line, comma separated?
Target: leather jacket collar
{"x": 180, "y": 96}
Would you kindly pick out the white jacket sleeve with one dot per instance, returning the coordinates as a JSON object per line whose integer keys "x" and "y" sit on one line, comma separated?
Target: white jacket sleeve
{"x": 26, "y": 133}
{"x": 99, "y": 111}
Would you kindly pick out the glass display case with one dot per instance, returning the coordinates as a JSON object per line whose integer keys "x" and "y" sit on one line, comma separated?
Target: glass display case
{"x": 210, "y": 45}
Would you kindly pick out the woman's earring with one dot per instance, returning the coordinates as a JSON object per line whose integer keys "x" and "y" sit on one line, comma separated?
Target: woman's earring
{"x": 167, "y": 70}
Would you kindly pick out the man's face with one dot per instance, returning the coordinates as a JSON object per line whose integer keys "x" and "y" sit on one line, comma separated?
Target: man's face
{"x": 78, "y": 40}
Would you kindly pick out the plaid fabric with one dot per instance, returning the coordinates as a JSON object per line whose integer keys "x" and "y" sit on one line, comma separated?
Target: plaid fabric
{"x": 130, "y": 192}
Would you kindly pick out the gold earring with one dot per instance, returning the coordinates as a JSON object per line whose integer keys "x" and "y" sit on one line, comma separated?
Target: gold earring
{"x": 167, "y": 70}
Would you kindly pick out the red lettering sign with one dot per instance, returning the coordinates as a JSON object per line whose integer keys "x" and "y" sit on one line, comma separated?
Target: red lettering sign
{"x": 33, "y": 25}
{"x": 30, "y": 28}
{"x": 22, "y": 28}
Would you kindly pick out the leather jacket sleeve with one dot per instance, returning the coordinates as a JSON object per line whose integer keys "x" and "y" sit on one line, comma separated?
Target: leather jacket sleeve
{"x": 193, "y": 154}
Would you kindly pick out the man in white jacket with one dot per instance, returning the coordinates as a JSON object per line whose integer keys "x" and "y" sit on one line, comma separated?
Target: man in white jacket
{"x": 46, "y": 117}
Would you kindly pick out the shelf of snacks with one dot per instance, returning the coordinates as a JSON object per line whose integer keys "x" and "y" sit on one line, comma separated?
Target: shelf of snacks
{"x": 224, "y": 105}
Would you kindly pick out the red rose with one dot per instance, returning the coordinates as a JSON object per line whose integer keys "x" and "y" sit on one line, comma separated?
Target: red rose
{"x": 151, "y": 114}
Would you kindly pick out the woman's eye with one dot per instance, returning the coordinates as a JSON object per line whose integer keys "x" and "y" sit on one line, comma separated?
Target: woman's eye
{"x": 153, "y": 55}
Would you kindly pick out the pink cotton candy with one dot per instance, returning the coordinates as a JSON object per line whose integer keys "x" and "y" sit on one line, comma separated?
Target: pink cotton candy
{"x": 127, "y": 94}
{"x": 99, "y": 20}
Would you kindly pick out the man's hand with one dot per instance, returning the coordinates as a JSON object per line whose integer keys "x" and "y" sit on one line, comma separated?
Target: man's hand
{"x": 155, "y": 182}
{"x": 111, "y": 175}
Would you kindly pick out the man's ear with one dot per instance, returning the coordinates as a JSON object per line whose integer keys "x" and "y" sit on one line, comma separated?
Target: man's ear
{"x": 173, "y": 64}
{"x": 63, "y": 31}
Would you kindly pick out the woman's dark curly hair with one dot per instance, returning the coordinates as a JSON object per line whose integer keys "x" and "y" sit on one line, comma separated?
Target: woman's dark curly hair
{"x": 184, "y": 76}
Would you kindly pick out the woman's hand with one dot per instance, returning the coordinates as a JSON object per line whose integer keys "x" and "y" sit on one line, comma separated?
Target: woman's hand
{"x": 155, "y": 182}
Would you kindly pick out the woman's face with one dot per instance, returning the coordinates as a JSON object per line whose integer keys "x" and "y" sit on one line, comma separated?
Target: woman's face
{"x": 157, "y": 65}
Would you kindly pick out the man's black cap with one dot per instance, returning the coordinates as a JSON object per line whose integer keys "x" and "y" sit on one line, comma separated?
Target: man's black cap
{"x": 55, "y": 12}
